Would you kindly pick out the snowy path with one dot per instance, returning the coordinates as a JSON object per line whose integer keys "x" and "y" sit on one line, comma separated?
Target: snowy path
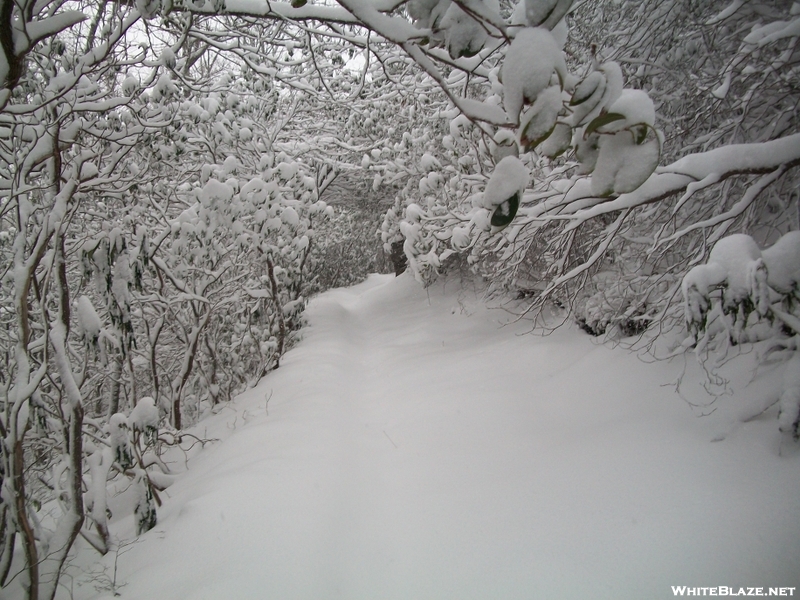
{"x": 415, "y": 450}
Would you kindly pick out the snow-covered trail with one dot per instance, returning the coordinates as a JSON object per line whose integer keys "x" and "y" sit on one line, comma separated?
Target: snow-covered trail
{"x": 413, "y": 449}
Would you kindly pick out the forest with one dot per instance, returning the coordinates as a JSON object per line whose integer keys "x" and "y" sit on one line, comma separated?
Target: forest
{"x": 179, "y": 177}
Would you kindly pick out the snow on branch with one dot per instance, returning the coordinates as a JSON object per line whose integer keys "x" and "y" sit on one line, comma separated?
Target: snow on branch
{"x": 721, "y": 163}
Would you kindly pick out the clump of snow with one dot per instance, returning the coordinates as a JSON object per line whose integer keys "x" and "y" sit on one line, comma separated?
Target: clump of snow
{"x": 464, "y": 35}
{"x": 597, "y": 91}
{"x": 288, "y": 170}
{"x": 740, "y": 257}
{"x": 736, "y": 265}
{"x": 528, "y": 68}
{"x": 168, "y": 57}
{"x": 622, "y": 165}
{"x": 427, "y": 14}
{"x": 414, "y": 213}
{"x": 215, "y": 191}
{"x": 290, "y": 217}
{"x": 130, "y": 85}
{"x": 783, "y": 263}
{"x": 635, "y": 106}
{"x": 557, "y": 142}
{"x": 539, "y": 121}
{"x": 148, "y": 8}
{"x": 119, "y": 440}
{"x": 587, "y": 95}
{"x": 88, "y": 319}
{"x": 231, "y": 165}
{"x": 545, "y": 13}
{"x": 510, "y": 177}
{"x": 145, "y": 415}
{"x": 428, "y": 162}
{"x": 460, "y": 238}
{"x": 88, "y": 171}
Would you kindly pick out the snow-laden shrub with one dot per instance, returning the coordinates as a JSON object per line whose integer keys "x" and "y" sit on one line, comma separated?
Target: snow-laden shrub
{"x": 737, "y": 271}
{"x": 615, "y": 306}
{"x": 739, "y": 286}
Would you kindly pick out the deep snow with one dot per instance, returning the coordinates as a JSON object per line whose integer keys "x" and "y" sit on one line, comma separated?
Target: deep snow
{"x": 410, "y": 447}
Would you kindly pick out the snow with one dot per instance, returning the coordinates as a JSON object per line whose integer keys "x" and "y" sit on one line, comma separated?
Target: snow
{"x": 510, "y": 177}
{"x": 145, "y": 415}
{"x": 790, "y": 396}
{"x": 411, "y": 447}
{"x": 215, "y": 191}
{"x": 428, "y": 162}
{"x": 88, "y": 319}
{"x": 782, "y": 260}
{"x": 464, "y": 36}
{"x": 547, "y": 13}
{"x": 531, "y": 60}
{"x": 622, "y": 166}
{"x": 427, "y": 13}
{"x": 736, "y": 255}
{"x": 635, "y": 106}
{"x": 538, "y": 121}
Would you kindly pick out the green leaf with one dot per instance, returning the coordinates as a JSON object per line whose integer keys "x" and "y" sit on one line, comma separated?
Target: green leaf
{"x": 298, "y": 3}
{"x": 505, "y": 211}
{"x": 639, "y": 132}
{"x": 601, "y": 121}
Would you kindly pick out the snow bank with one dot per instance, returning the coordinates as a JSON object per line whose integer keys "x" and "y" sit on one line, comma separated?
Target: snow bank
{"x": 412, "y": 445}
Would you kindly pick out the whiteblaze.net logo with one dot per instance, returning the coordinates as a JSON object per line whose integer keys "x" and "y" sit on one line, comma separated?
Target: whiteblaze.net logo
{"x": 723, "y": 590}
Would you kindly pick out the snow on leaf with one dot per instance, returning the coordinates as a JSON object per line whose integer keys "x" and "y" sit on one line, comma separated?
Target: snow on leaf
{"x": 622, "y": 165}
{"x": 88, "y": 171}
{"x": 538, "y": 122}
{"x": 783, "y": 263}
{"x": 288, "y": 170}
{"x": 510, "y": 177}
{"x": 530, "y": 62}
{"x": 148, "y": 8}
{"x": 586, "y": 151}
{"x": 558, "y": 142}
{"x": 722, "y": 90}
{"x": 460, "y": 238}
{"x": 215, "y": 191}
{"x": 464, "y": 35}
{"x": 130, "y": 85}
{"x": 545, "y": 13}
{"x": 88, "y": 319}
{"x": 590, "y": 86}
{"x": 290, "y": 217}
{"x": 428, "y": 13}
{"x": 635, "y": 106}
{"x": 428, "y": 162}
{"x": 167, "y": 58}
{"x": 145, "y": 415}
{"x": 601, "y": 121}
{"x": 727, "y": 12}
